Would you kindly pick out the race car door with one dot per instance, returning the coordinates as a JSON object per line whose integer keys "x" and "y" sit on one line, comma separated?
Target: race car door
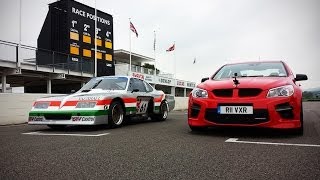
{"x": 138, "y": 88}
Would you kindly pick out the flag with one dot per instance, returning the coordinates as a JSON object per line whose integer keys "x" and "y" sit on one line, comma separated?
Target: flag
{"x": 154, "y": 41}
{"x": 194, "y": 61}
{"x": 133, "y": 29}
{"x": 171, "y": 48}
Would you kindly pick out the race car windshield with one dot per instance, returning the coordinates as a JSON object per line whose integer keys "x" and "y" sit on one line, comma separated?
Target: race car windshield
{"x": 111, "y": 83}
{"x": 269, "y": 69}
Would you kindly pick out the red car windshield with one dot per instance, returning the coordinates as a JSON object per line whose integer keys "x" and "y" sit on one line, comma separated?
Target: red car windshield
{"x": 265, "y": 69}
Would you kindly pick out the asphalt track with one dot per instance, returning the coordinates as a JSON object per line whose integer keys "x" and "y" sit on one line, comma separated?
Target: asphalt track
{"x": 161, "y": 150}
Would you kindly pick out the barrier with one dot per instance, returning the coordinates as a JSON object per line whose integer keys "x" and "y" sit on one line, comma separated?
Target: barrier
{"x": 15, "y": 107}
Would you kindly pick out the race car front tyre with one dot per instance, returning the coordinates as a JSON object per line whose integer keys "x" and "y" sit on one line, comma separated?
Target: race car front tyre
{"x": 116, "y": 114}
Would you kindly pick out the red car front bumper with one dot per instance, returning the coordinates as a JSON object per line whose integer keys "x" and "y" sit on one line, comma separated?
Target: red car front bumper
{"x": 279, "y": 113}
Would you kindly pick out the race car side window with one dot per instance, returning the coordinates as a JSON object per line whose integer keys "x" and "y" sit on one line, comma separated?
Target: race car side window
{"x": 131, "y": 85}
{"x": 136, "y": 84}
{"x": 139, "y": 85}
{"x": 148, "y": 87}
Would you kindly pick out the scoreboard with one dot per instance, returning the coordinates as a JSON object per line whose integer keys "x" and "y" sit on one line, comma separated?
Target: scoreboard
{"x": 76, "y": 36}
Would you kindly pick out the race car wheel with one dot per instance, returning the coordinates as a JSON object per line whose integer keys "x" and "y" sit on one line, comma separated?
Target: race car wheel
{"x": 57, "y": 127}
{"x": 116, "y": 114}
{"x": 163, "y": 114}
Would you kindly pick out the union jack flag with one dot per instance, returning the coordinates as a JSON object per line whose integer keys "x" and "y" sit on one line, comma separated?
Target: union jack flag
{"x": 171, "y": 48}
{"x": 133, "y": 29}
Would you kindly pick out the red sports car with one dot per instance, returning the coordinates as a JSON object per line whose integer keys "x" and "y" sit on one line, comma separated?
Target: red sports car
{"x": 261, "y": 94}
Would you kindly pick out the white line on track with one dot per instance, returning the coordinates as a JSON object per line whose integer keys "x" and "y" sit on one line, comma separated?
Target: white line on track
{"x": 235, "y": 140}
{"x": 55, "y": 134}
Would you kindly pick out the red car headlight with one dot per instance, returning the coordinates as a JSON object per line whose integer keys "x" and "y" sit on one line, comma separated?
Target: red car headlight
{"x": 282, "y": 91}
{"x": 199, "y": 93}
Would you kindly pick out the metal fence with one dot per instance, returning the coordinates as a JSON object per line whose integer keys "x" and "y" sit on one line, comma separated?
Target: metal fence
{"x": 11, "y": 52}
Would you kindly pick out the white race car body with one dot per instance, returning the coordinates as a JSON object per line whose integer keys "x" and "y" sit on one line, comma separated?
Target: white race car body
{"x": 91, "y": 106}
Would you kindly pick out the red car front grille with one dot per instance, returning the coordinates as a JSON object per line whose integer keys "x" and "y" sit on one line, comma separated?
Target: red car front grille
{"x": 242, "y": 92}
{"x": 258, "y": 116}
{"x": 249, "y": 92}
{"x": 223, "y": 92}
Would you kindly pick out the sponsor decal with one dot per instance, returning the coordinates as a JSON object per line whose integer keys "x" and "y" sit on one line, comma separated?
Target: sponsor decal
{"x": 89, "y": 98}
{"x": 36, "y": 118}
{"x": 82, "y": 118}
{"x": 138, "y": 75}
{"x": 75, "y": 118}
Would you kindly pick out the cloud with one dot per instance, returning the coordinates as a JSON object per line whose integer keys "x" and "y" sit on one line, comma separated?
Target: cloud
{"x": 213, "y": 31}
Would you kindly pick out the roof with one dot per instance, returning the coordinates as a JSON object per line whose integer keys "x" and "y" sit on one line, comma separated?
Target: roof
{"x": 125, "y": 55}
{"x": 246, "y": 62}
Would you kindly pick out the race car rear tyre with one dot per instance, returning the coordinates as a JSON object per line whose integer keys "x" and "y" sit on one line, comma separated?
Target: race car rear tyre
{"x": 57, "y": 127}
{"x": 163, "y": 114}
{"x": 116, "y": 114}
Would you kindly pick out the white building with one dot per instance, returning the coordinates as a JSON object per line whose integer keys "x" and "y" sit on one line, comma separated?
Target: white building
{"x": 161, "y": 80}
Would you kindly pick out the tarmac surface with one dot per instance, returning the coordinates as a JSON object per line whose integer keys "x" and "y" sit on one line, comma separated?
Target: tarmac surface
{"x": 161, "y": 150}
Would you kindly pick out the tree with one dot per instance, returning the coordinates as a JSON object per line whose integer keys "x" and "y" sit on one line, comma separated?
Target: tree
{"x": 307, "y": 95}
{"x": 150, "y": 66}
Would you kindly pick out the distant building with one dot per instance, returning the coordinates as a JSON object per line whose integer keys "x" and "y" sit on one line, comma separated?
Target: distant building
{"x": 65, "y": 57}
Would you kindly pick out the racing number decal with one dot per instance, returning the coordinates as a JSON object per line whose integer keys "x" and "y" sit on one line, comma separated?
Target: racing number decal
{"x": 142, "y": 105}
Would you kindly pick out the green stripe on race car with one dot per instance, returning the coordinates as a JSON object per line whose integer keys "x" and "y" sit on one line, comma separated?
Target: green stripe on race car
{"x": 132, "y": 109}
{"x": 73, "y": 113}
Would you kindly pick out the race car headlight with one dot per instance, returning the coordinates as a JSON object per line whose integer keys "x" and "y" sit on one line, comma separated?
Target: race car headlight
{"x": 199, "y": 93}
{"x": 86, "y": 104}
{"x": 283, "y": 91}
{"x": 41, "y": 105}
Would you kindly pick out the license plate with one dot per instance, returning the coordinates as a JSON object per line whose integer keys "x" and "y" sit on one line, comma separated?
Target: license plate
{"x": 235, "y": 110}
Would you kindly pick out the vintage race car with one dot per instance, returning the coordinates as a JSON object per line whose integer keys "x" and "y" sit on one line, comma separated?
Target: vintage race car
{"x": 261, "y": 94}
{"x": 103, "y": 100}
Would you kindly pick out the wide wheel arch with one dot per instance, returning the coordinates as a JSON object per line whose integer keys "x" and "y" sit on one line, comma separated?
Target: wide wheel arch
{"x": 151, "y": 106}
{"x": 163, "y": 111}
{"x": 121, "y": 102}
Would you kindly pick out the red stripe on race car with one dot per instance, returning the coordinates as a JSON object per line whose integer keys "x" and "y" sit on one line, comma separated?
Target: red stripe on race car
{"x": 104, "y": 102}
{"x": 158, "y": 99}
{"x": 55, "y": 103}
{"x": 130, "y": 100}
{"x": 70, "y": 103}
{"x": 51, "y": 103}
{"x": 99, "y": 102}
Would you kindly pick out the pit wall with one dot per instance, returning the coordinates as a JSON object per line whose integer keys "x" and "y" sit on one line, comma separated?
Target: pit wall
{"x": 14, "y": 108}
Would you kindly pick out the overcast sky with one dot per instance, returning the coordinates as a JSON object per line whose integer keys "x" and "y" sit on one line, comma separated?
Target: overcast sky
{"x": 214, "y": 32}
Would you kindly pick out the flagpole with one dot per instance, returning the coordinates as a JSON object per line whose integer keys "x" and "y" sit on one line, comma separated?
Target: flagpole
{"x": 174, "y": 58}
{"x": 19, "y": 46}
{"x": 154, "y": 54}
{"x": 130, "y": 47}
{"x": 95, "y": 39}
